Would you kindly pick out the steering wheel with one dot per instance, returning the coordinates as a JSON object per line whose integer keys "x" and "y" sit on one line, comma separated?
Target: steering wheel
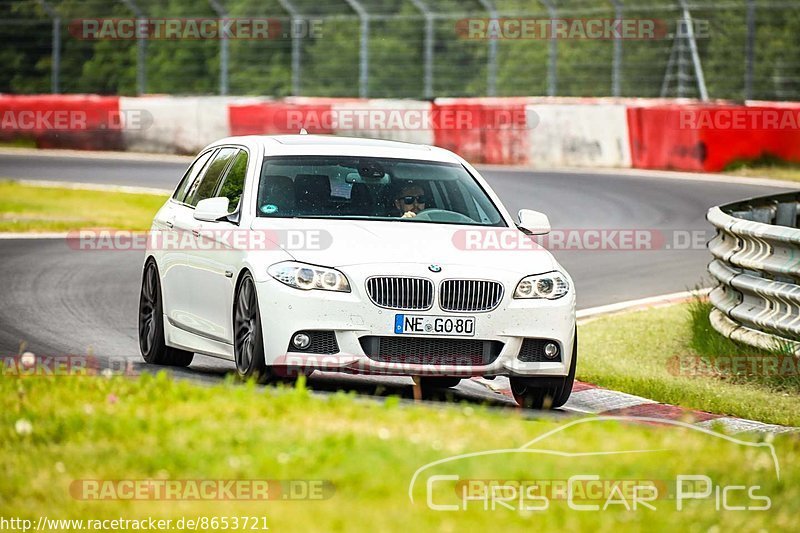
{"x": 441, "y": 215}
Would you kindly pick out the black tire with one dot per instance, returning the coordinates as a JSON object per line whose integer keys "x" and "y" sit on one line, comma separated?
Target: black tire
{"x": 546, "y": 393}
{"x": 248, "y": 345}
{"x": 438, "y": 382}
{"x": 151, "y": 323}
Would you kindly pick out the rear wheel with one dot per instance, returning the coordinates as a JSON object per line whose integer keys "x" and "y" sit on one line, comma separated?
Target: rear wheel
{"x": 151, "y": 323}
{"x": 248, "y": 342}
{"x": 545, "y": 392}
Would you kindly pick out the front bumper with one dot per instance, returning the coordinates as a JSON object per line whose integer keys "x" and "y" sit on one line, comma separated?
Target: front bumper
{"x": 351, "y": 316}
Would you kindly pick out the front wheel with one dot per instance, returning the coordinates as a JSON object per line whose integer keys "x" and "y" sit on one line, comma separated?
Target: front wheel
{"x": 151, "y": 323}
{"x": 248, "y": 341}
{"x": 546, "y": 392}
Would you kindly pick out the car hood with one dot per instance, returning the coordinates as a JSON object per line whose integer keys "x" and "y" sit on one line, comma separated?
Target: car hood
{"x": 339, "y": 243}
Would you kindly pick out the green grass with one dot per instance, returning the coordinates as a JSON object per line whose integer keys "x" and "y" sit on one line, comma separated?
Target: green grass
{"x": 642, "y": 352}
{"x": 709, "y": 344}
{"x": 767, "y": 166}
{"x": 18, "y": 142}
{"x": 154, "y": 427}
{"x": 27, "y": 208}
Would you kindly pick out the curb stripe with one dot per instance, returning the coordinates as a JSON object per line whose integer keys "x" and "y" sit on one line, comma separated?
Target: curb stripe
{"x": 662, "y": 410}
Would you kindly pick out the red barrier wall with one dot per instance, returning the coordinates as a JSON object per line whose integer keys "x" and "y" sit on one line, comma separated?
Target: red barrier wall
{"x": 783, "y": 140}
{"x": 483, "y": 130}
{"x": 710, "y": 137}
{"x": 83, "y": 122}
{"x": 663, "y": 135}
{"x": 286, "y": 116}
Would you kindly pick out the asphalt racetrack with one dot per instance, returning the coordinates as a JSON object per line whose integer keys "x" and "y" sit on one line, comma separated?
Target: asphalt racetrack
{"x": 56, "y": 300}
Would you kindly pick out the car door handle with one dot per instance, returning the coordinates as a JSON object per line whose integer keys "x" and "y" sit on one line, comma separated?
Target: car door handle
{"x": 169, "y": 224}
{"x": 196, "y": 232}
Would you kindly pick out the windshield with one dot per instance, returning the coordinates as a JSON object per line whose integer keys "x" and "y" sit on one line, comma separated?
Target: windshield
{"x": 373, "y": 188}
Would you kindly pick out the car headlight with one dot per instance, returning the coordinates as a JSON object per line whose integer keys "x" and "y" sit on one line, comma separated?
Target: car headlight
{"x": 550, "y": 286}
{"x": 308, "y": 277}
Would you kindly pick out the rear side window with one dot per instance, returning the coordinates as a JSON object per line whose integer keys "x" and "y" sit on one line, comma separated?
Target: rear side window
{"x": 233, "y": 183}
{"x": 206, "y": 186}
{"x": 191, "y": 175}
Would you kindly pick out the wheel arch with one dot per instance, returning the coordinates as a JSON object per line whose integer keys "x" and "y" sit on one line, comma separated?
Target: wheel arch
{"x": 242, "y": 273}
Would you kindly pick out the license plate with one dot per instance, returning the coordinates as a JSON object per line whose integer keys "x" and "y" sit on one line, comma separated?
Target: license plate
{"x": 461, "y": 326}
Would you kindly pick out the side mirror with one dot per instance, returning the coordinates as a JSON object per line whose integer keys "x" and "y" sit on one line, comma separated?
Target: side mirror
{"x": 534, "y": 222}
{"x": 211, "y": 209}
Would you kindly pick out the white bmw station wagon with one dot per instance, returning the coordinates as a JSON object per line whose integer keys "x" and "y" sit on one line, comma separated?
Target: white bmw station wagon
{"x": 290, "y": 254}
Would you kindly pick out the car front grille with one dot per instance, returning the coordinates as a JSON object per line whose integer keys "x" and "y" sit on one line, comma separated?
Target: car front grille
{"x": 394, "y": 292}
{"x": 469, "y": 295}
{"x": 431, "y": 351}
{"x": 532, "y": 351}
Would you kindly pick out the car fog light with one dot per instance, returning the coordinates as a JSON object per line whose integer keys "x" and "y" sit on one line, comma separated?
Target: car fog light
{"x": 301, "y": 341}
{"x": 550, "y": 350}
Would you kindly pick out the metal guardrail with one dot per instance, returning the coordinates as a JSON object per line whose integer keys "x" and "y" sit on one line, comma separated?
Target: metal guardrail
{"x": 757, "y": 265}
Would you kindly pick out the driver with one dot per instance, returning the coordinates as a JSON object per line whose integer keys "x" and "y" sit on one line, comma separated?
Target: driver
{"x": 410, "y": 200}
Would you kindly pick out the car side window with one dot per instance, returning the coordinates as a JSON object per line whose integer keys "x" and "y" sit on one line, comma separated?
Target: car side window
{"x": 191, "y": 175}
{"x": 207, "y": 184}
{"x": 233, "y": 182}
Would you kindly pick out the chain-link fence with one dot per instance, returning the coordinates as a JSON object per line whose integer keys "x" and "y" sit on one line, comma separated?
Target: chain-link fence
{"x": 745, "y": 49}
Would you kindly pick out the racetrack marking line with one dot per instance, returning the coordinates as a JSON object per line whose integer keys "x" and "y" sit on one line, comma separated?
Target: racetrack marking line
{"x": 616, "y": 172}
{"x": 587, "y": 315}
{"x": 97, "y": 154}
{"x": 128, "y": 189}
{"x": 43, "y": 235}
{"x": 648, "y": 173}
{"x": 741, "y": 425}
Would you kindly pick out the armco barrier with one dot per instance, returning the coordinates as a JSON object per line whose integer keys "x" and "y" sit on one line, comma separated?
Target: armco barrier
{"x": 181, "y": 125}
{"x": 757, "y": 266}
{"x": 83, "y": 122}
{"x": 709, "y": 137}
{"x": 578, "y": 135}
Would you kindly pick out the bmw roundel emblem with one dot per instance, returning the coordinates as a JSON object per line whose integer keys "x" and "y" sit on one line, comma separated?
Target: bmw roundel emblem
{"x": 435, "y": 268}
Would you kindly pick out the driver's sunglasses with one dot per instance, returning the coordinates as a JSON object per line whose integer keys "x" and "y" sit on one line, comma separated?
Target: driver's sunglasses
{"x": 409, "y": 200}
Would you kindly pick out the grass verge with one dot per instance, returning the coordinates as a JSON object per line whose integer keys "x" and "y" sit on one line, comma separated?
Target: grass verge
{"x": 766, "y": 167}
{"x": 28, "y": 208}
{"x": 666, "y": 355}
{"x": 19, "y": 142}
{"x": 57, "y": 432}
